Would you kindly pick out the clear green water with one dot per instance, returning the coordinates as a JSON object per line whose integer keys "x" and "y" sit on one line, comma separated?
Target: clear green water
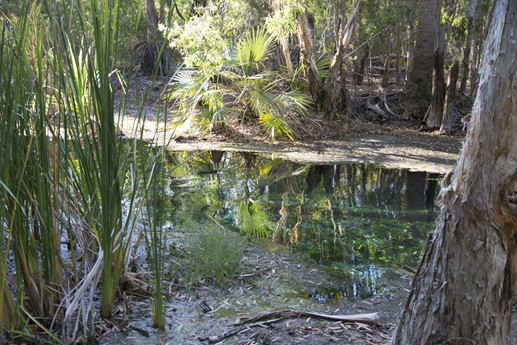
{"x": 358, "y": 220}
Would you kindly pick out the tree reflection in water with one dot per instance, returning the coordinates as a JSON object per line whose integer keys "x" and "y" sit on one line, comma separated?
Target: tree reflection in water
{"x": 349, "y": 217}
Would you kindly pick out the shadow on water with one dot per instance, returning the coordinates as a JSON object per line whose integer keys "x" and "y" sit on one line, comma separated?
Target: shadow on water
{"x": 357, "y": 220}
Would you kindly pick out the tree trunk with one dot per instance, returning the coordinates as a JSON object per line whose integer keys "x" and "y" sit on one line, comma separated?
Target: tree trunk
{"x": 398, "y": 76}
{"x": 450, "y": 99}
{"x": 463, "y": 290}
{"x": 420, "y": 74}
{"x": 410, "y": 36}
{"x": 283, "y": 42}
{"x": 472, "y": 22}
{"x": 360, "y": 65}
{"x": 308, "y": 61}
{"x": 335, "y": 98}
{"x": 434, "y": 118}
{"x": 152, "y": 21}
{"x": 477, "y": 42}
{"x": 387, "y": 63}
{"x": 328, "y": 96}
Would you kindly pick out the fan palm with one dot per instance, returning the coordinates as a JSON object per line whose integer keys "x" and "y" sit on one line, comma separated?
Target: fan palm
{"x": 242, "y": 87}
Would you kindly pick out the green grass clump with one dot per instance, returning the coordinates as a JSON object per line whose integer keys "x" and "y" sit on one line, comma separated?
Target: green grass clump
{"x": 215, "y": 255}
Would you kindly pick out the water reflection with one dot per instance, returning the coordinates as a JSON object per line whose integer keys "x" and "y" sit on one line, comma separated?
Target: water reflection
{"x": 356, "y": 219}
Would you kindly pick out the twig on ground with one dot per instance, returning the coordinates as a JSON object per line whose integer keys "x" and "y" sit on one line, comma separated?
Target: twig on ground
{"x": 371, "y": 318}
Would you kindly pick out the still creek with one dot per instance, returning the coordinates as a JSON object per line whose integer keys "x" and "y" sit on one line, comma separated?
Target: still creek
{"x": 355, "y": 219}
{"x": 358, "y": 222}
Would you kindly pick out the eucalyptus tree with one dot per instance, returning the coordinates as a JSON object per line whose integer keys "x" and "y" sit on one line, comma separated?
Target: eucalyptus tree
{"x": 472, "y": 25}
{"x": 463, "y": 290}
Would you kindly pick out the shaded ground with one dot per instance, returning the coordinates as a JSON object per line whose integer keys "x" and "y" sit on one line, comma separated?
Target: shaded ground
{"x": 271, "y": 279}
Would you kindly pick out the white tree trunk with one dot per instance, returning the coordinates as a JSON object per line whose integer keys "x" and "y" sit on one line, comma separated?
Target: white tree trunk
{"x": 463, "y": 290}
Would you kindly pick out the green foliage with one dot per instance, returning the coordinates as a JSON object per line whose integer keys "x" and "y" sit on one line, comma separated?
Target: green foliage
{"x": 215, "y": 255}
{"x": 242, "y": 87}
{"x": 61, "y": 168}
{"x": 254, "y": 219}
{"x": 277, "y": 126}
{"x": 200, "y": 42}
{"x": 253, "y": 50}
{"x": 283, "y": 21}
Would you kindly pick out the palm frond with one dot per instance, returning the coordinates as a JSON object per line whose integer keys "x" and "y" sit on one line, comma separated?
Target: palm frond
{"x": 296, "y": 101}
{"x": 253, "y": 49}
{"x": 262, "y": 101}
{"x": 277, "y": 125}
{"x": 323, "y": 66}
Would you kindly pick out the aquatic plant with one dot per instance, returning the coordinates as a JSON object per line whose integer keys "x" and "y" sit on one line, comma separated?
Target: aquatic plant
{"x": 214, "y": 254}
{"x": 65, "y": 226}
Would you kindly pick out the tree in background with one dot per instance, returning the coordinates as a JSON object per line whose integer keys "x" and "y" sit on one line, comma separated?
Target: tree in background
{"x": 420, "y": 70}
{"x": 463, "y": 290}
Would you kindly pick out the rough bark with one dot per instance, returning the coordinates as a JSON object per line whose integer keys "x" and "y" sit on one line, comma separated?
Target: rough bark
{"x": 463, "y": 290}
{"x": 450, "y": 99}
{"x": 420, "y": 74}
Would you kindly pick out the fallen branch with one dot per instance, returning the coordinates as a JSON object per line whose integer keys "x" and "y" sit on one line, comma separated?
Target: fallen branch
{"x": 388, "y": 107}
{"x": 218, "y": 338}
{"x": 376, "y": 109}
{"x": 290, "y": 313}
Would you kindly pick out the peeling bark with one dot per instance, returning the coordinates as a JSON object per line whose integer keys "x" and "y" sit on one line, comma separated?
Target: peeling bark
{"x": 330, "y": 94}
{"x": 463, "y": 290}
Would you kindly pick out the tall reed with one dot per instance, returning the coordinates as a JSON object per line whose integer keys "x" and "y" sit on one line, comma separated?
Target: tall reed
{"x": 62, "y": 170}
{"x": 27, "y": 220}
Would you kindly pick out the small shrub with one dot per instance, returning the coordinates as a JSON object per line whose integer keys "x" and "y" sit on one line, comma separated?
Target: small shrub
{"x": 214, "y": 254}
